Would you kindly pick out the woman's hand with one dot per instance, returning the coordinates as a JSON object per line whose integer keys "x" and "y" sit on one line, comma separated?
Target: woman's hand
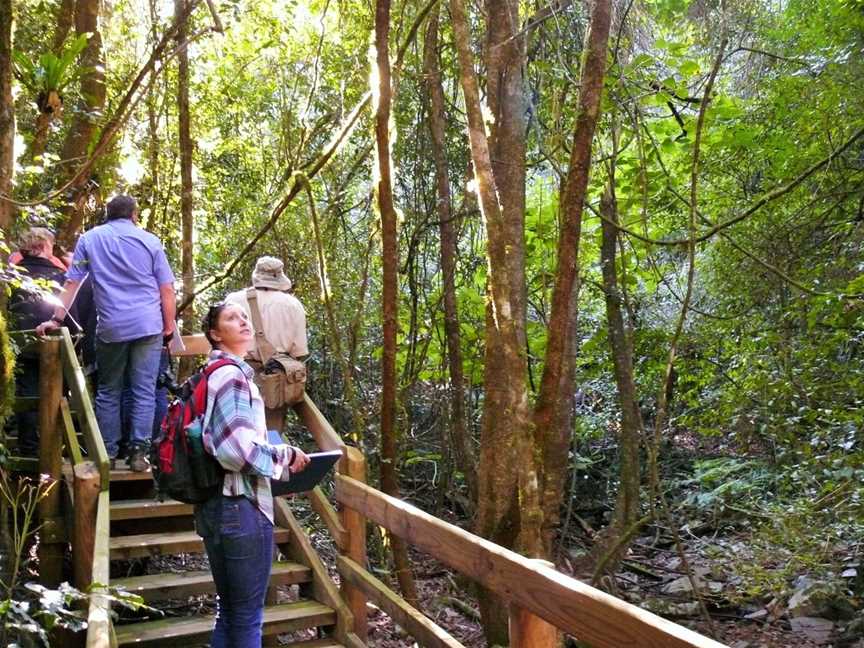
{"x": 300, "y": 461}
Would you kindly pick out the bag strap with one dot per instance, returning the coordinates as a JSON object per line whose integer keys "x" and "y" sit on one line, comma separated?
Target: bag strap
{"x": 262, "y": 344}
{"x": 207, "y": 371}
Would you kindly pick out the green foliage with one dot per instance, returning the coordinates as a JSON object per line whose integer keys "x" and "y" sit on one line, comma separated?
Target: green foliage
{"x": 50, "y": 73}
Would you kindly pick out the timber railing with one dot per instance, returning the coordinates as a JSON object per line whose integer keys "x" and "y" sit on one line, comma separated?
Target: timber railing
{"x": 542, "y": 601}
{"x": 86, "y": 524}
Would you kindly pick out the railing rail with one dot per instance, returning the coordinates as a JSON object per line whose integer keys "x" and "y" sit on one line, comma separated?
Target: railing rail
{"x": 90, "y": 477}
{"x": 587, "y": 613}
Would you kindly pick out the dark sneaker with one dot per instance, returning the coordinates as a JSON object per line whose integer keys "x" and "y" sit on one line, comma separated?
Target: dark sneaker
{"x": 138, "y": 461}
{"x": 113, "y": 463}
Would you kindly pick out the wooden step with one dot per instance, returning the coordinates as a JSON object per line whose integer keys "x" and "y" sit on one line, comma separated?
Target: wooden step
{"x": 136, "y": 509}
{"x": 157, "y": 587}
{"x": 181, "y": 631}
{"x": 160, "y": 544}
{"x": 122, "y": 473}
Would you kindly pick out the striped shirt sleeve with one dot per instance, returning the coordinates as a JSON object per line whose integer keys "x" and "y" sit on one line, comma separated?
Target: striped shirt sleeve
{"x": 232, "y": 437}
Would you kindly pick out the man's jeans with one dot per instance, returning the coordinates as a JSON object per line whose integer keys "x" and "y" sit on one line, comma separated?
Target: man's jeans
{"x": 239, "y": 542}
{"x": 135, "y": 363}
{"x": 160, "y": 408}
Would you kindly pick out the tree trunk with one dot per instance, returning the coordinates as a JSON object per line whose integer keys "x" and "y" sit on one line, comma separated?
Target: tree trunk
{"x": 621, "y": 346}
{"x": 186, "y": 148}
{"x": 390, "y": 261}
{"x": 460, "y": 435}
{"x": 551, "y": 414}
{"x": 7, "y": 118}
{"x": 86, "y": 120}
{"x": 508, "y": 510}
{"x": 153, "y": 140}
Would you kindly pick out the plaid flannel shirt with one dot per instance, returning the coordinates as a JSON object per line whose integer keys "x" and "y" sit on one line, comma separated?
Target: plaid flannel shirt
{"x": 236, "y": 434}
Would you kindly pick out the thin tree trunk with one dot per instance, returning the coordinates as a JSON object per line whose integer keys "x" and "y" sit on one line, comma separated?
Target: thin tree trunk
{"x": 460, "y": 436}
{"x": 184, "y": 128}
{"x": 621, "y": 346}
{"x": 551, "y": 413}
{"x": 84, "y": 125}
{"x": 390, "y": 261}
{"x": 357, "y": 418}
{"x": 153, "y": 139}
{"x": 7, "y": 117}
{"x": 508, "y": 509}
{"x": 7, "y": 217}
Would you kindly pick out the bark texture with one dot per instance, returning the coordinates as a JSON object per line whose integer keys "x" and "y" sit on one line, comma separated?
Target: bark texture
{"x": 184, "y": 132}
{"x": 389, "y": 238}
{"x": 460, "y": 435}
{"x": 552, "y": 415}
{"x": 621, "y": 344}
{"x": 87, "y": 114}
{"x": 7, "y": 117}
{"x": 508, "y": 507}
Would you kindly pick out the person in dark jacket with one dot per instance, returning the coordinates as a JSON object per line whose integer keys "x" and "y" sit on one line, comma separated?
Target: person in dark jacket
{"x": 28, "y": 307}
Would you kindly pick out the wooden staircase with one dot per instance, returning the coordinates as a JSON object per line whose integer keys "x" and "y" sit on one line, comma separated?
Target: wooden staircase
{"x": 142, "y": 527}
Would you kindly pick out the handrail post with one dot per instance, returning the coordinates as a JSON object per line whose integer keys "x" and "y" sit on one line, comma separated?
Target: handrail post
{"x": 86, "y": 487}
{"x": 353, "y": 465}
{"x": 50, "y": 462}
{"x": 527, "y": 630}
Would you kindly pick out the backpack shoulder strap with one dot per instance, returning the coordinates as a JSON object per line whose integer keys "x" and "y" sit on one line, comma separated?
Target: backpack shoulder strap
{"x": 262, "y": 344}
{"x": 218, "y": 364}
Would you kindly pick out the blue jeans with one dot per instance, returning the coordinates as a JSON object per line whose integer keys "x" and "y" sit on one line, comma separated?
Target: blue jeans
{"x": 136, "y": 364}
{"x": 239, "y": 543}
{"x": 160, "y": 408}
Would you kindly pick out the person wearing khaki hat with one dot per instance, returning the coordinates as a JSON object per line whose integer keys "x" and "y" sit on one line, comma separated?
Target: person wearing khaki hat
{"x": 282, "y": 320}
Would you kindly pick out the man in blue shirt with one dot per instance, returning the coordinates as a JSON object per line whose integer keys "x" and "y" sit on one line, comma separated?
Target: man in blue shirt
{"x": 133, "y": 291}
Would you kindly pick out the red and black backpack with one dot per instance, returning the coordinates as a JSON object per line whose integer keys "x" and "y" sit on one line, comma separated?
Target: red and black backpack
{"x": 182, "y": 468}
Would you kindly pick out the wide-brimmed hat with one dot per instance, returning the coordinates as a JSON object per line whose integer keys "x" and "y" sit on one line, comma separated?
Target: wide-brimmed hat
{"x": 269, "y": 273}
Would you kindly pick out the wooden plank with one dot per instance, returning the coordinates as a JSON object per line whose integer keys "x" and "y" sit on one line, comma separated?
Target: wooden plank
{"x": 85, "y": 486}
{"x": 178, "y": 631}
{"x": 23, "y": 464}
{"x": 25, "y": 404}
{"x": 81, "y": 402}
{"x": 158, "y": 544}
{"x": 355, "y": 548}
{"x": 70, "y": 436}
{"x": 316, "y": 643}
{"x": 579, "y": 609}
{"x": 50, "y": 460}
{"x": 527, "y": 630}
{"x": 195, "y": 345}
{"x": 322, "y": 506}
{"x": 137, "y": 509}
{"x": 122, "y": 473}
{"x": 302, "y": 551}
{"x": 100, "y": 633}
{"x": 156, "y": 587}
{"x": 427, "y": 633}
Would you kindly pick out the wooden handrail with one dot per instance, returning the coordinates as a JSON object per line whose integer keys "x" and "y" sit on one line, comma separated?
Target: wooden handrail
{"x": 86, "y": 416}
{"x": 585, "y": 612}
{"x": 100, "y": 633}
{"x": 91, "y": 478}
{"x": 428, "y": 633}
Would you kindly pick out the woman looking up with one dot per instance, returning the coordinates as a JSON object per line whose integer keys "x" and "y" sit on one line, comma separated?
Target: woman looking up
{"x": 237, "y": 526}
